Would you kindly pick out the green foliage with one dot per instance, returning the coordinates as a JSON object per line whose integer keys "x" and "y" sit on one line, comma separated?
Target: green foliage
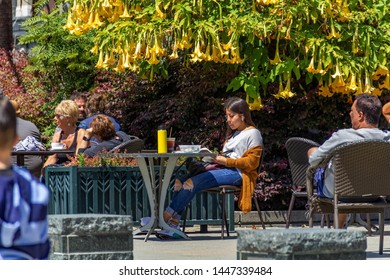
{"x": 63, "y": 61}
{"x": 330, "y": 42}
{"x": 101, "y": 161}
{"x": 26, "y": 88}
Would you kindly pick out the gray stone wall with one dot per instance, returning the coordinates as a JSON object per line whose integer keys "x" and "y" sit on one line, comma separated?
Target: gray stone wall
{"x": 91, "y": 237}
{"x": 301, "y": 244}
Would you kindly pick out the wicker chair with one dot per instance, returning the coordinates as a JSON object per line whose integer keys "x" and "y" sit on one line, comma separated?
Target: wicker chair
{"x": 297, "y": 148}
{"x": 224, "y": 190}
{"x": 362, "y": 177}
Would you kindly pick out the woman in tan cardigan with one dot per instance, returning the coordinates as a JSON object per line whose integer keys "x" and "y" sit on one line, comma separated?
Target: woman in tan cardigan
{"x": 241, "y": 157}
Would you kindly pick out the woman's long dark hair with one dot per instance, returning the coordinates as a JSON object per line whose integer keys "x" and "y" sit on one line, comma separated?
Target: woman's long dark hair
{"x": 238, "y": 106}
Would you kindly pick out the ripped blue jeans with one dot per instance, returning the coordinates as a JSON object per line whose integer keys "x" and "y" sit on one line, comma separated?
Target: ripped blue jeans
{"x": 201, "y": 182}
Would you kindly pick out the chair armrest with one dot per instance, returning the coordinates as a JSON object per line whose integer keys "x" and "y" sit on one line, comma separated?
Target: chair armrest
{"x": 311, "y": 170}
{"x": 309, "y": 180}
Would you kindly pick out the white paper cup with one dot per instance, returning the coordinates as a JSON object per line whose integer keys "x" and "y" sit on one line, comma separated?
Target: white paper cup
{"x": 57, "y": 146}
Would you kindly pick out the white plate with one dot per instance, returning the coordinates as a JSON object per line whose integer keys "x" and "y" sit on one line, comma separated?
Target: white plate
{"x": 189, "y": 148}
{"x": 57, "y": 149}
{"x": 208, "y": 159}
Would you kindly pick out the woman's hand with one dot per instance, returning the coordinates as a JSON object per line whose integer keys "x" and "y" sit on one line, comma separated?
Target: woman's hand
{"x": 89, "y": 132}
{"x": 220, "y": 160}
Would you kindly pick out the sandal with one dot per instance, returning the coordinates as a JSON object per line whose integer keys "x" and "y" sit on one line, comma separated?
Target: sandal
{"x": 167, "y": 234}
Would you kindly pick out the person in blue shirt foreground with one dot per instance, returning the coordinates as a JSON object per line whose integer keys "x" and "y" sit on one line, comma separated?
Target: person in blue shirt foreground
{"x": 23, "y": 199}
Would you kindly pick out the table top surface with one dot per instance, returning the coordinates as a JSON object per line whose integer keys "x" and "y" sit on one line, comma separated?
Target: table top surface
{"x": 42, "y": 153}
{"x": 162, "y": 155}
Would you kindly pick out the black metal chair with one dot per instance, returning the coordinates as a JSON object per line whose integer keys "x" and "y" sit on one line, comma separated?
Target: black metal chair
{"x": 132, "y": 145}
{"x": 230, "y": 190}
{"x": 297, "y": 148}
{"x": 361, "y": 182}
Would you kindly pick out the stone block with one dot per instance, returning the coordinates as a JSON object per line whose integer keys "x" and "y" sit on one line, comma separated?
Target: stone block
{"x": 301, "y": 244}
{"x": 91, "y": 236}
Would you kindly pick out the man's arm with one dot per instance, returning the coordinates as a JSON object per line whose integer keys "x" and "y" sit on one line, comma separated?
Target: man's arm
{"x": 317, "y": 154}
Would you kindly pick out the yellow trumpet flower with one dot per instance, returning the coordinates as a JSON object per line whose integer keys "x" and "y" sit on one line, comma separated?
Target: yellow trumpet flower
{"x": 319, "y": 68}
{"x": 287, "y": 36}
{"x": 355, "y": 41}
{"x": 207, "y": 55}
{"x": 159, "y": 13}
{"x": 280, "y": 89}
{"x": 100, "y": 63}
{"x": 386, "y": 83}
{"x": 90, "y": 20}
{"x": 105, "y": 64}
{"x": 333, "y": 33}
{"x": 236, "y": 56}
{"x": 174, "y": 54}
{"x": 153, "y": 59}
{"x": 359, "y": 89}
{"x": 137, "y": 52}
{"x": 286, "y": 93}
{"x": 337, "y": 73}
{"x": 126, "y": 60}
{"x": 77, "y": 31}
{"x": 106, "y": 4}
{"x": 256, "y": 104}
{"x": 277, "y": 59}
{"x": 125, "y": 13}
{"x": 197, "y": 54}
{"x": 111, "y": 59}
{"x": 69, "y": 23}
{"x": 119, "y": 68}
{"x": 158, "y": 49}
{"x": 352, "y": 85}
{"x": 368, "y": 88}
{"x": 345, "y": 13}
{"x": 324, "y": 91}
{"x": 376, "y": 92}
{"x": 95, "y": 49}
{"x": 215, "y": 56}
{"x": 380, "y": 71}
{"x": 338, "y": 85}
{"x": 227, "y": 46}
{"x": 147, "y": 53}
{"x": 310, "y": 68}
{"x": 97, "y": 23}
{"x": 184, "y": 43}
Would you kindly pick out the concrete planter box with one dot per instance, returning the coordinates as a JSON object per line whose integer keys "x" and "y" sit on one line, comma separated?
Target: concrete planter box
{"x": 298, "y": 217}
{"x": 301, "y": 244}
{"x": 91, "y": 237}
{"x": 118, "y": 191}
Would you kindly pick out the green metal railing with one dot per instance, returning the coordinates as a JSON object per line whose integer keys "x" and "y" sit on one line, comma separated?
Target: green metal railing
{"x": 120, "y": 190}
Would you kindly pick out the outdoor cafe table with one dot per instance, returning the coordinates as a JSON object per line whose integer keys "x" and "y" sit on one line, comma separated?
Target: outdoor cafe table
{"x": 21, "y": 154}
{"x": 157, "y": 189}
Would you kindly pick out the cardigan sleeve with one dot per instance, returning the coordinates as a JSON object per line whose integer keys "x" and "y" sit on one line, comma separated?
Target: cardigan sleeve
{"x": 249, "y": 161}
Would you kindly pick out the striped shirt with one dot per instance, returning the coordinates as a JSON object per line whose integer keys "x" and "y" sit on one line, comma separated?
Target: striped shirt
{"x": 23, "y": 216}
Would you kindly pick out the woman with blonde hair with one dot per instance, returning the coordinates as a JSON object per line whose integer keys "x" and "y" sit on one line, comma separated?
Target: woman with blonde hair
{"x": 66, "y": 116}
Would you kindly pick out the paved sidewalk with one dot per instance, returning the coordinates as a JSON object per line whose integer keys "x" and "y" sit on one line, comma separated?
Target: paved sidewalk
{"x": 209, "y": 246}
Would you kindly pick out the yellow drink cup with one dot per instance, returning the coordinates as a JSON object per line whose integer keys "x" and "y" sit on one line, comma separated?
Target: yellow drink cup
{"x": 162, "y": 141}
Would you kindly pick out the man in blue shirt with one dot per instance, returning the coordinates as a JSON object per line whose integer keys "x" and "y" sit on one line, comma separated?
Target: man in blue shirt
{"x": 95, "y": 106}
